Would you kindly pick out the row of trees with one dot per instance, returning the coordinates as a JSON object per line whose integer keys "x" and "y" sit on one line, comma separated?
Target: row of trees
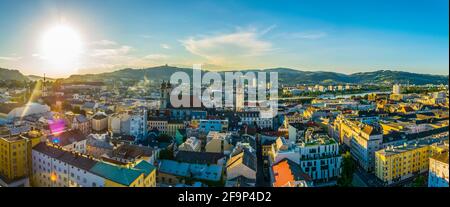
{"x": 348, "y": 168}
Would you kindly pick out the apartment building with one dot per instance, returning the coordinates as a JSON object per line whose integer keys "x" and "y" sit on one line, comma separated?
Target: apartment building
{"x": 218, "y": 142}
{"x": 191, "y": 144}
{"x": 362, "y": 139}
{"x": 15, "y": 157}
{"x": 438, "y": 170}
{"x": 396, "y": 163}
{"x": 320, "y": 159}
{"x": 55, "y": 167}
{"x": 99, "y": 122}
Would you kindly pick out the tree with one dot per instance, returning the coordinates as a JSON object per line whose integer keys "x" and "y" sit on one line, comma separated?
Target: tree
{"x": 348, "y": 168}
{"x": 164, "y": 138}
{"x": 166, "y": 154}
{"x": 420, "y": 181}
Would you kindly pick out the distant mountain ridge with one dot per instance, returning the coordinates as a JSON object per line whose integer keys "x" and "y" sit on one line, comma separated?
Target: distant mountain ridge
{"x": 8, "y": 74}
{"x": 36, "y": 78}
{"x": 285, "y": 76}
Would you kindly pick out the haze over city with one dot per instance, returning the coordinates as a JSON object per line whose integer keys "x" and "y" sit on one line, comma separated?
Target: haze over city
{"x": 61, "y": 38}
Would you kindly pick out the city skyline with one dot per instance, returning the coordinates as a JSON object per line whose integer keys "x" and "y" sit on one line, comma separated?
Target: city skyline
{"x": 257, "y": 95}
{"x": 345, "y": 37}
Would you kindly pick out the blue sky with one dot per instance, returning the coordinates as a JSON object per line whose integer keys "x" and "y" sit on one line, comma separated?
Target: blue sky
{"x": 345, "y": 36}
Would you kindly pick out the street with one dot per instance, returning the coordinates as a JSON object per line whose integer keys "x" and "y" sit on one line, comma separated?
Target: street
{"x": 370, "y": 180}
{"x": 260, "y": 180}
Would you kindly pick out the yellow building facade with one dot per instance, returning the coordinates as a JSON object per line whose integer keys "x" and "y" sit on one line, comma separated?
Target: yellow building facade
{"x": 172, "y": 128}
{"x": 395, "y": 164}
{"x": 271, "y": 148}
{"x": 15, "y": 154}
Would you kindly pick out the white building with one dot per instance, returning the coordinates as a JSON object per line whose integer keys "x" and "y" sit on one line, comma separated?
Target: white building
{"x": 114, "y": 123}
{"x": 240, "y": 96}
{"x": 320, "y": 159}
{"x": 138, "y": 124}
{"x": 191, "y": 144}
{"x": 72, "y": 140}
{"x": 439, "y": 94}
{"x": 363, "y": 146}
{"x": 53, "y": 167}
{"x": 330, "y": 88}
{"x": 28, "y": 109}
{"x": 252, "y": 118}
{"x": 161, "y": 124}
{"x": 438, "y": 171}
{"x": 396, "y": 89}
{"x": 321, "y": 88}
{"x": 99, "y": 122}
{"x": 295, "y": 132}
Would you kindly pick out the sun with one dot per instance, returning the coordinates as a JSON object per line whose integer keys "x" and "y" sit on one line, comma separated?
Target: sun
{"x": 61, "y": 46}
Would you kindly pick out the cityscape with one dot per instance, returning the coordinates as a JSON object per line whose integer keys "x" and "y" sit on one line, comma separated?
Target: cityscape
{"x": 87, "y": 111}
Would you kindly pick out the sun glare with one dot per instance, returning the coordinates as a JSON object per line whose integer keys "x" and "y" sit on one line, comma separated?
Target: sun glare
{"x": 61, "y": 46}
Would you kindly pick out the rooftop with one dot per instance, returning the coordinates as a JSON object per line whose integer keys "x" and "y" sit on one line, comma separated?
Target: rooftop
{"x": 146, "y": 167}
{"x": 128, "y": 151}
{"x": 76, "y": 160}
{"x": 241, "y": 181}
{"x": 13, "y": 138}
{"x": 100, "y": 116}
{"x": 174, "y": 167}
{"x": 199, "y": 171}
{"x": 318, "y": 139}
{"x": 286, "y": 172}
{"x": 393, "y": 150}
{"x": 67, "y": 137}
{"x": 198, "y": 157}
{"x": 121, "y": 175}
{"x": 245, "y": 157}
{"x": 442, "y": 157}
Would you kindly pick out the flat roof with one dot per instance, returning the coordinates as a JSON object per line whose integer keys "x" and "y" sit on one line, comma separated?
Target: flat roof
{"x": 442, "y": 157}
{"x": 411, "y": 146}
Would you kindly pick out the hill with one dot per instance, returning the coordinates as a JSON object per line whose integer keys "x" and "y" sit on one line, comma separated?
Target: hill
{"x": 36, "y": 78}
{"x": 7, "y": 74}
{"x": 285, "y": 76}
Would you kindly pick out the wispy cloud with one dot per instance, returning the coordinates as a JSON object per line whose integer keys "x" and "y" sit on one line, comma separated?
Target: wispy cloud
{"x": 156, "y": 57}
{"x": 108, "y": 57}
{"x": 268, "y": 29}
{"x": 10, "y": 58}
{"x": 104, "y": 43}
{"x": 303, "y": 35}
{"x": 146, "y": 36}
{"x": 238, "y": 44}
{"x": 165, "y": 46}
{"x": 111, "y": 52}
